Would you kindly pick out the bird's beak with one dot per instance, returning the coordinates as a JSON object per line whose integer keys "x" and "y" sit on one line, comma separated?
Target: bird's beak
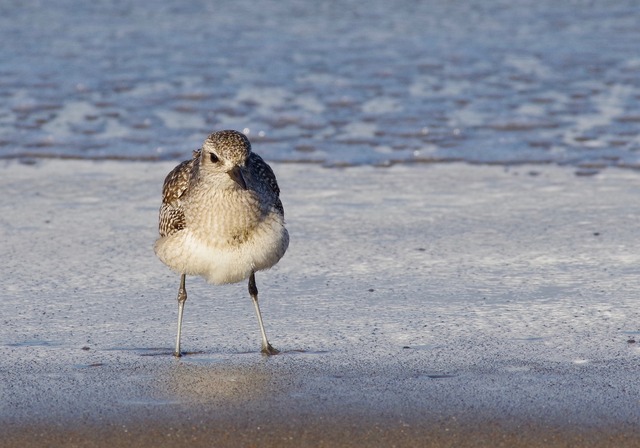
{"x": 237, "y": 177}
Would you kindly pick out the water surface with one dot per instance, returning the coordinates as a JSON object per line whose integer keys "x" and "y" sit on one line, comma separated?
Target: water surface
{"x": 330, "y": 82}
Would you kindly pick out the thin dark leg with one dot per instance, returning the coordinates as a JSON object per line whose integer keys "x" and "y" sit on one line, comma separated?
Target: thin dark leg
{"x": 182, "y": 297}
{"x": 267, "y": 349}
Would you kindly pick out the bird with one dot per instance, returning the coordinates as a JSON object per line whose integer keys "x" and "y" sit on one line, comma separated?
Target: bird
{"x": 222, "y": 219}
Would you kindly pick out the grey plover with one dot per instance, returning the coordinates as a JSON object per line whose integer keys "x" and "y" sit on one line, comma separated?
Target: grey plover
{"x": 222, "y": 219}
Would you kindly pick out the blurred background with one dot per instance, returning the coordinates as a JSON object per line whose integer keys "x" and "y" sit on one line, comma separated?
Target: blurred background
{"x": 332, "y": 82}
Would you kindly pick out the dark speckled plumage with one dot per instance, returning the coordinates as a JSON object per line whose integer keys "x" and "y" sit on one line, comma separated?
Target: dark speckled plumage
{"x": 175, "y": 185}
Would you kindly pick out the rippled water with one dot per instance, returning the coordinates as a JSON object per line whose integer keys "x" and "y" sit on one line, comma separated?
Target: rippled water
{"x": 333, "y": 82}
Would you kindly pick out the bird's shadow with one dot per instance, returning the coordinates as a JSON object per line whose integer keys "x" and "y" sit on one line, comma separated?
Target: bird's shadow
{"x": 162, "y": 351}
{"x": 165, "y": 351}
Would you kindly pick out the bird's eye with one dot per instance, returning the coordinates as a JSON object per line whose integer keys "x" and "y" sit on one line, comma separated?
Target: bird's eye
{"x": 214, "y": 158}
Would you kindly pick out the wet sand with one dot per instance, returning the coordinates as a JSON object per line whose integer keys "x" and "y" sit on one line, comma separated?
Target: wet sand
{"x": 309, "y": 433}
{"x": 445, "y": 305}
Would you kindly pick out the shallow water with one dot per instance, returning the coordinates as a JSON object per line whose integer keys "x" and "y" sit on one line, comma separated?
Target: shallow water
{"x": 329, "y": 82}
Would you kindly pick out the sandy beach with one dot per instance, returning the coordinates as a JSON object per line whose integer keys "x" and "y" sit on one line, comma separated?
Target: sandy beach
{"x": 430, "y": 305}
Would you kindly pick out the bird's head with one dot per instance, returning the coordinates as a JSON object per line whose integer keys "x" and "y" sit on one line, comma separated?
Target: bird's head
{"x": 225, "y": 152}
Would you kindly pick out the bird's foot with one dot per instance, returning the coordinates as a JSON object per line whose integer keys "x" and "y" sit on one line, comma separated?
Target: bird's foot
{"x": 269, "y": 350}
{"x": 177, "y": 354}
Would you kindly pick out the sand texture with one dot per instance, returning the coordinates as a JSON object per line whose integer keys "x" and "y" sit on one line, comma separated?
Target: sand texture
{"x": 436, "y": 305}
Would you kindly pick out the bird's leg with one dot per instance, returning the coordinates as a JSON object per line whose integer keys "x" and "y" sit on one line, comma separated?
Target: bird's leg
{"x": 182, "y": 297}
{"x": 267, "y": 349}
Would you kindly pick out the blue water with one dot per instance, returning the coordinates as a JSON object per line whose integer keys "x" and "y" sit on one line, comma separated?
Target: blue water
{"x": 337, "y": 83}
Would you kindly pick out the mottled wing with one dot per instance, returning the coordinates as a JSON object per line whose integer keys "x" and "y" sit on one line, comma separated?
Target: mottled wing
{"x": 175, "y": 185}
{"x": 264, "y": 174}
